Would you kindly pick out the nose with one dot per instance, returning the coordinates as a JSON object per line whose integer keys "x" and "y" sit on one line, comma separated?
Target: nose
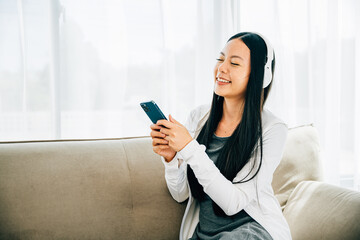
{"x": 222, "y": 67}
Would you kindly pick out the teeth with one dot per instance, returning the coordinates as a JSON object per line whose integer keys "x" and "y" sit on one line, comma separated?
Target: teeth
{"x": 220, "y": 80}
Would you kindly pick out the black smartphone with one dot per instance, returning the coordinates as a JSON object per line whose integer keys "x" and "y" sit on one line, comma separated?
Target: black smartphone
{"x": 153, "y": 111}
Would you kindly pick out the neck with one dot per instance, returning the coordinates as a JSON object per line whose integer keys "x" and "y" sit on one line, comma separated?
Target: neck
{"x": 232, "y": 110}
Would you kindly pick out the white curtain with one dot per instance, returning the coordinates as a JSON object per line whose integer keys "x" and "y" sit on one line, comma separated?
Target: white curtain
{"x": 79, "y": 69}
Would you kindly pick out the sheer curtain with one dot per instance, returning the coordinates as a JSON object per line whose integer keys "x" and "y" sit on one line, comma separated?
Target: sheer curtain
{"x": 79, "y": 69}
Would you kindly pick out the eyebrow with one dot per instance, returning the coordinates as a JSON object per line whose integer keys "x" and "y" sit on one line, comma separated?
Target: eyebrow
{"x": 233, "y": 56}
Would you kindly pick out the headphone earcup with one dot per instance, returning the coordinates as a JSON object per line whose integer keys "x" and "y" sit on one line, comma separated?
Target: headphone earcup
{"x": 267, "y": 76}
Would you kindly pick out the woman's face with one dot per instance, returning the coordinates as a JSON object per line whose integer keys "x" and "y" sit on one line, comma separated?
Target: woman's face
{"x": 233, "y": 64}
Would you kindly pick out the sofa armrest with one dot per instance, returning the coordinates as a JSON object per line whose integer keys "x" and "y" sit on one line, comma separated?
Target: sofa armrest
{"x": 317, "y": 210}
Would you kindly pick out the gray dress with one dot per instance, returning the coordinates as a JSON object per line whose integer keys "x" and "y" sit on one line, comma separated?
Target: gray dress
{"x": 239, "y": 226}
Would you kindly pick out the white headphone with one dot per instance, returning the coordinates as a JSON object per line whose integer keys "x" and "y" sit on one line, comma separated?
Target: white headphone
{"x": 270, "y": 58}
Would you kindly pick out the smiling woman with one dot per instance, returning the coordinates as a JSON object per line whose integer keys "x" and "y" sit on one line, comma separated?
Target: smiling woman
{"x": 235, "y": 139}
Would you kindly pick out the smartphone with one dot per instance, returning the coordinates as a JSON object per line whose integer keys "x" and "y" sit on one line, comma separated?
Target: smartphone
{"x": 153, "y": 111}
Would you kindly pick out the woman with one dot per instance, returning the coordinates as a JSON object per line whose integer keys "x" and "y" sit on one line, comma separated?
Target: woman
{"x": 224, "y": 157}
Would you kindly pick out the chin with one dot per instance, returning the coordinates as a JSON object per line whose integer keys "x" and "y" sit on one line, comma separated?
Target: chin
{"x": 219, "y": 94}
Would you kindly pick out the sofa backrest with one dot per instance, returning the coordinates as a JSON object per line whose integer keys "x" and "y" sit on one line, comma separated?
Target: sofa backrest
{"x": 102, "y": 189}
{"x": 301, "y": 161}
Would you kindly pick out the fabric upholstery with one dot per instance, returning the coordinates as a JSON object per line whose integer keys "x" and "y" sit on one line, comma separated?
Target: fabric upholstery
{"x": 116, "y": 189}
{"x": 318, "y": 210}
{"x": 112, "y": 189}
{"x": 301, "y": 161}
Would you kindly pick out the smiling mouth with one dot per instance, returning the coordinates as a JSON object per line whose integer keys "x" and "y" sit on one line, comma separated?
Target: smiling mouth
{"x": 222, "y": 80}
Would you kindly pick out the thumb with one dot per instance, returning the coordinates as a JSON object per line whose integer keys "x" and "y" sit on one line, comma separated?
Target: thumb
{"x": 172, "y": 119}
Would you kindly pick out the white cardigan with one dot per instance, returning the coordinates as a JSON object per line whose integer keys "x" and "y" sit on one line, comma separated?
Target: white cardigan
{"x": 230, "y": 197}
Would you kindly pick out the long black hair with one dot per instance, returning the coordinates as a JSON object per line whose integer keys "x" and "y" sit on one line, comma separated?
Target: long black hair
{"x": 247, "y": 136}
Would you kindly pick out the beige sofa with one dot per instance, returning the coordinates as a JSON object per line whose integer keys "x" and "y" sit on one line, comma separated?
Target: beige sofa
{"x": 115, "y": 189}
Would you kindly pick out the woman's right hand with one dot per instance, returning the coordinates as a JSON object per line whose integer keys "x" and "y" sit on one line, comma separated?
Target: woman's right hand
{"x": 160, "y": 145}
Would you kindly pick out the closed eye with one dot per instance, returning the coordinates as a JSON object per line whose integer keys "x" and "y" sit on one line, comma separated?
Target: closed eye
{"x": 220, "y": 60}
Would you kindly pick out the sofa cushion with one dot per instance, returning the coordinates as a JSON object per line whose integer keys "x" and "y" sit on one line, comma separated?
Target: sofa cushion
{"x": 156, "y": 215}
{"x": 64, "y": 190}
{"x": 317, "y": 210}
{"x": 300, "y": 162}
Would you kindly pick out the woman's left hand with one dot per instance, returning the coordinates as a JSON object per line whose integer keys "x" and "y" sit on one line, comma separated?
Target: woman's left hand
{"x": 177, "y": 135}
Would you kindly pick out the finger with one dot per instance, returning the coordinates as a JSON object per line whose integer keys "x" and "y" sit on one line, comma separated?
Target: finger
{"x": 165, "y": 123}
{"x": 159, "y": 141}
{"x": 154, "y": 126}
{"x": 167, "y": 138}
{"x": 163, "y": 147}
{"x": 160, "y": 147}
{"x": 155, "y": 134}
{"x": 165, "y": 131}
{"x": 173, "y": 120}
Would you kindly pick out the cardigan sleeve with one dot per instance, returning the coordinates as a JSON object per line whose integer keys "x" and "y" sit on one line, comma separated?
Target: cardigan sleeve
{"x": 175, "y": 171}
{"x": 232, "y": 198}
{"x": 176, "y": 180}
